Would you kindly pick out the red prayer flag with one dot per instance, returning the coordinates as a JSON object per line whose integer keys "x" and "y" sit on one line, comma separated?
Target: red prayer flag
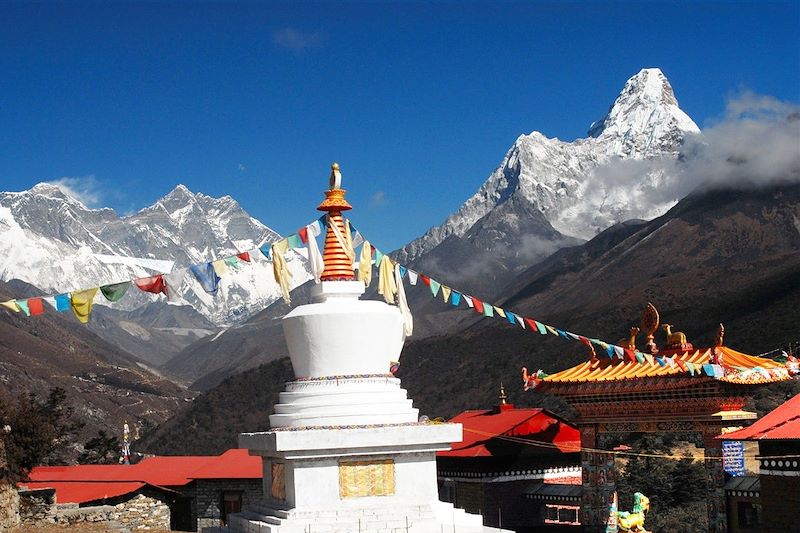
{"x": 681, "y": 363}
{"x": 478, "y": 305}
{"x": 427, "y": 281}
{"x": 303, "y": 232}
{"x": 154, "y": 284}
{"x": 244, "y": 256}
{"x": 630, "y": 354}
{"x": 531, "y": 324}
{"x": 584, "y": 340}
{"x": 35, "y": 306}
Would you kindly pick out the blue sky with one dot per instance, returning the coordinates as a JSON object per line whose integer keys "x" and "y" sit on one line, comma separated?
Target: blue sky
{"x": 418, "y": 102}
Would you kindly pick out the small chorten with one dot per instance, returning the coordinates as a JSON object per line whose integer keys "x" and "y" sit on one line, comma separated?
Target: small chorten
{"x": 504, "y": 405}
{"x": 338, "y": 255}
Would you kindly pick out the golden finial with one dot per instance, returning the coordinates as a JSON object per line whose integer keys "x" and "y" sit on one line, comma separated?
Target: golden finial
{"x": 718, "y": 340}
{"x": 336, "y": 177}
{"x": 503, "y": 396}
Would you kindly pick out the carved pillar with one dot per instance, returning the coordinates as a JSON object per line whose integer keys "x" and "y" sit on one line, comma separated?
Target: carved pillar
{"x": 715, "y": 479}
{"x": 599, "y": 480}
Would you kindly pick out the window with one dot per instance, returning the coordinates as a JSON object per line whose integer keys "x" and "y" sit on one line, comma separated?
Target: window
{"x": 561, "y": 514}
{"x": 231, "y": 503}
{"x": 749, "y": 515}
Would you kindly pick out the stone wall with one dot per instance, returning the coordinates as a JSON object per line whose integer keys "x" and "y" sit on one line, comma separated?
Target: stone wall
{"x": 37, "y": 505}
{"x": 9, "y": 506}
{"x": 142, "y": 512}
{"x": 9, "y": 499}
{"x": 209, "y": 497}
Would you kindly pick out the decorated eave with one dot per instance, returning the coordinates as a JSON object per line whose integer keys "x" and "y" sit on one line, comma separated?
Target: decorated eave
{"x": 698, "y": 364}
{"x": 674, "y": 366}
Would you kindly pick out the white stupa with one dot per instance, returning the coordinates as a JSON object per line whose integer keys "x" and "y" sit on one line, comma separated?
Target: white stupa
{"x": 346, "y": 452}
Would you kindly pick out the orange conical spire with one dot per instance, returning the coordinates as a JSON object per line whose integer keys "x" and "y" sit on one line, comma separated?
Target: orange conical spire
{"x": 337, "y": 255}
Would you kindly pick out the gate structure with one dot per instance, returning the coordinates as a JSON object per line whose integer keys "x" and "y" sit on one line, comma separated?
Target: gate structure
{"x": 678, "y": 390}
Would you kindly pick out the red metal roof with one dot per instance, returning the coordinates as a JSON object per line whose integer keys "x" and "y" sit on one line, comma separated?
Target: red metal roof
{"x": 482, "y": 426}
{"x": 84, "y": 483}
{"x": 86, "y": 491}
{"x": 782, "y": 423}
{"x": 236, "y": 463}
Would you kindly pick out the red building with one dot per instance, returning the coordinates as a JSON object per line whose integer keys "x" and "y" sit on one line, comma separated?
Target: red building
{"x": 518, "y": 467}
{"x": 774, "y": 505}
{"x": 184, "y": 493}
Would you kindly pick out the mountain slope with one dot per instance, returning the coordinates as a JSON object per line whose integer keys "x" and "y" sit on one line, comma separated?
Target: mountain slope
{"x": 718, "y": 256}
{"x": 44, "y": 223}
{"x": 105, "y": 384}
{"x": 569, "y": 182}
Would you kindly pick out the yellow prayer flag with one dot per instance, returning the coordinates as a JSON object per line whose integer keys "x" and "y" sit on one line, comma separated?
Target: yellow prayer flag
{"x": 82, "y": 304}
{"x": 445, "y": 293}
{"x": 11, "y": 304}
{"x": 219, "y": 267}
{"x": 499, "y": 311}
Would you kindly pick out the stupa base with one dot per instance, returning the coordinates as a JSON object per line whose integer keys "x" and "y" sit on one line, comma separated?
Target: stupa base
{"x": 435, "y": 517}
{"x": 371, "y": 479}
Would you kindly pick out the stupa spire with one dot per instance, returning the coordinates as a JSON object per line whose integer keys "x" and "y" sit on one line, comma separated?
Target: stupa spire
{"x": 338, "y": 255}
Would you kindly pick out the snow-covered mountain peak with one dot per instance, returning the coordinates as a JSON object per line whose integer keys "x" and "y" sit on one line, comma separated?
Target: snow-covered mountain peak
{"x": 584, "y": 186}
{"x": 644, "y": 118}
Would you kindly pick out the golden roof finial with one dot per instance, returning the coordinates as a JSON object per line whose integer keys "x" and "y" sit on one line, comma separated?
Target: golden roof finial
{"x": 503, "y": 396}
{"x": 336, "y": 176}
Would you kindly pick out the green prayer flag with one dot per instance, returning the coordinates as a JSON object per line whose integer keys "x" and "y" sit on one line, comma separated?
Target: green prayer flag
{"x": 115, "y": 291}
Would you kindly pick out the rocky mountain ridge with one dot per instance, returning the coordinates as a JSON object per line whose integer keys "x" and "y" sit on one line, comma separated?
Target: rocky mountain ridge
{"x": 43, "y": 224}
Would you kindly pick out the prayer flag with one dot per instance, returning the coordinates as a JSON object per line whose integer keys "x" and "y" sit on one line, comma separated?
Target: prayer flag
{"x": 562, "y": 334}
{"x": 521, "y": 321}
{"x": 11, "y": 305}
{"x": 499, "y": 311}
{"x": 434, "y": 285}
{"x": 266, "y": 251}
{"x": 23, "y": 305}
{"x": 219, "y": 267}
{"x": 456, "y": 299}
{"x": 540, "y": 327}
{"x": 402, "y": 271}
{"x": 232, "y": 262}
{"x": 445, "y": 293}
{"x": 551, "y": 329}
{"x": 425, "y": 279}
{"x": 207, "y": 277}
{"x": 584, "y": 340}
{"x": 412, "y": 277}
{"x": 620, "y": 351}
{"x": 63, "y": 302}
{"x": 174, "y": 282}
{"x": 294, "y": 241}
{"x": 154, "y": 284}
{"x": 488, "y": 310}
{"x": 649, "y": 358}
{"x": 36, "y": 306}
{"x": 244, "y": 256}
{"x": 640, "y": 357}
{"x": 661, "y": 362}
{"x": 531, "y": 322}
{"x": 610, "y": 350}
{"x": 379, "y": 257}
{"x": 81, "y": 302}
{"x": 469, "y": 301}
{"x": 303, "y": 234}
{"x": 511, "y": 318}
{"x": 112, "y": 292}
{"x": 478, "y": 305}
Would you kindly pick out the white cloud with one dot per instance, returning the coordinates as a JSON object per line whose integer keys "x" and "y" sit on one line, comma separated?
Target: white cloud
{"x": 295, "y": 40}
{"x": 85, "y": 189}
{"x": 241, "y": 167}
{"x": 378, "y": 199}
